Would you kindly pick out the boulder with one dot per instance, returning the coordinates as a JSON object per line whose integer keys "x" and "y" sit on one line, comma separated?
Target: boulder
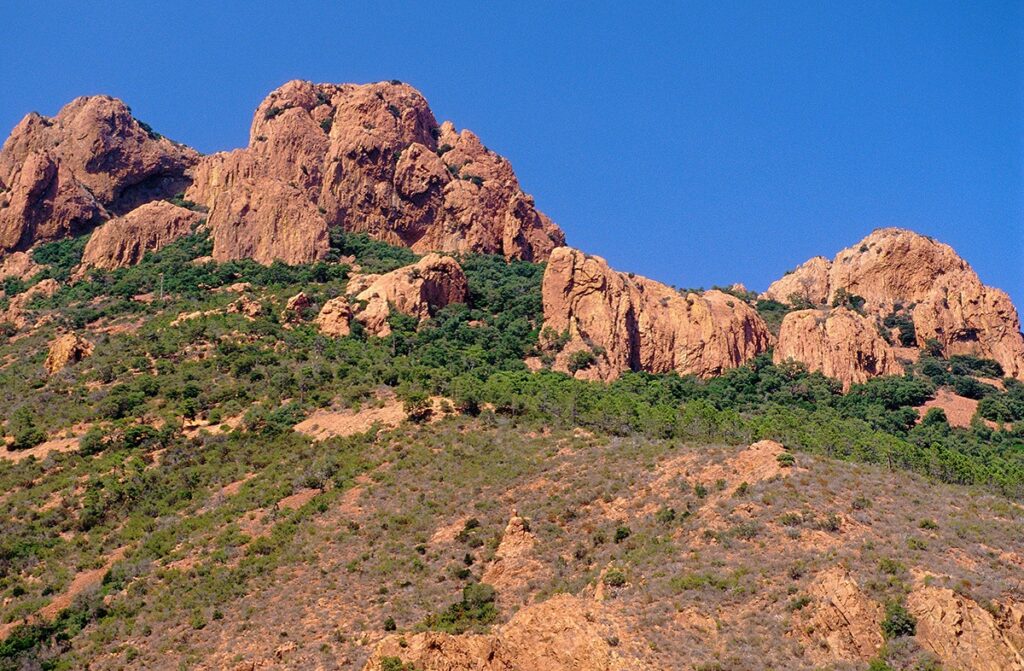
{"x": 629, "y": 322}
{"x": 334, "y": 317}
{"x": 125, "y": 240}
{"x": 17, "y": 313}
{"x": 61, "y": 175}
{"x": 67, "y": 349}
{"x": 839, "y": 343}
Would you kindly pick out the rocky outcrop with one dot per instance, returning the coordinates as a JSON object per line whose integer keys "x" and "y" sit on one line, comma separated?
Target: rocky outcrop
{"x": 17, "y": 313}
{"x": 368, "y": 158}
{"x": 561, "y": 633}
{"x": 628, "y": 322}
{"x": 18, "y": 264}
{"x": 67, "y": 349}
{"x": 418, "y": 290}
{"x": 333, "y": 319}
{"x": 839, "y": 343}
{"x": 125, "y": 240}
{"x": 808, "y": 283}
{"x": 962, "y": 634}
{"x": 60, "y": 176}
{"x": 895, "y": 270}
{"x": 842, "y": 622}
{"x": 513, "y": 565}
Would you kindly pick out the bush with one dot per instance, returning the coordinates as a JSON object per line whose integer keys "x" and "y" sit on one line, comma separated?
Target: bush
{"x": 581, "y": 359}
{"x": 898, "y": 621}
{"x": 474, "y": 611}
{"x": 614, "y": 578}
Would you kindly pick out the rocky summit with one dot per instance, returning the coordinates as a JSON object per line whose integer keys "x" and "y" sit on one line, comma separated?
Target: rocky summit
{"x": 343, "y": 399}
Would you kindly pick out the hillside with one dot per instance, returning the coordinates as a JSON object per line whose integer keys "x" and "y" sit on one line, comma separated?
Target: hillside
{"x": 278, "y": 408}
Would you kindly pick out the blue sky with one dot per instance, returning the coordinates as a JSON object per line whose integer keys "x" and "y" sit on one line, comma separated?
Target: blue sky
{"x": 698, "y": 143}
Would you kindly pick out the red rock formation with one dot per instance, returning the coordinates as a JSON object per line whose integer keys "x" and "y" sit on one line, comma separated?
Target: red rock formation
{"x": 962, "y": 634}
{"x": 808, "y": 282}
{"x": 417, "y": 290}
{"x": 894, "y": 269}
{"x": 842, "y": 623}
{"x": 16, "y": 313}
{"x": 561, "y": 633}
{"x": 633, "y": 323}
{"x": 59, "y": 176}
{"x": 839, "y": 342}
{"x": 125, "y": 240}
{"x": 369, "y": 158}
{"x": 67, "y": 349}
{"x": 334, "y": 316}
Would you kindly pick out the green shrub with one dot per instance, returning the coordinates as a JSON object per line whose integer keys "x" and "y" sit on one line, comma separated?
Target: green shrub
{"x": 898, "y": 621}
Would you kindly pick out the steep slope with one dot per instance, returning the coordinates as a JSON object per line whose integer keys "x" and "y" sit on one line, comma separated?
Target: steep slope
{"x": 60, "y": 176}
{"x": 901, "y": 273}
{"x": 621, "y": 322}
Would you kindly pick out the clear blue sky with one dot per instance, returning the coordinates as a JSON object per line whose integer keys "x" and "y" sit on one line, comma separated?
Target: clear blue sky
{"x": 698, "y": 143}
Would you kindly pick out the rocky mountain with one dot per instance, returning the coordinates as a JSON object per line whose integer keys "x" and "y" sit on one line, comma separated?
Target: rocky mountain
{"x": 61, "y": 176}
{"x": 364, "y": 158}
{"x": 343, "y": 399}
{"x": 897, "y": 275}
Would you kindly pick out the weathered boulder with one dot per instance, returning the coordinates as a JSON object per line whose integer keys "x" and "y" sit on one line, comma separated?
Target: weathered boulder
{"x": 839, "y": 343}
{"x": 629, "y": 322}
{"x": 148, "y": 228}
{"x": 333, "y": 318}
{"x": 895, "y": 270}
{"x": 60, "y": 176}
{"x": 65, "y": 350}
{"x": 18, "y": 264}
{"x": 370, "y": 158}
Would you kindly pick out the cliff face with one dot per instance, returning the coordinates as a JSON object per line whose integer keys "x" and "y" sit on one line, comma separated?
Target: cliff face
{"x": 900, "y": 271}
{"x": 368, "y": 158}
{"x": 633, "y": 323}
{"x": 59, "y": 176}
{"x": 840, "y": 343}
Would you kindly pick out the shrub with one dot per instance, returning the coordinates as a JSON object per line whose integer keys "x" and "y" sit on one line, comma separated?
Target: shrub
{"x": 475, "y": 610}
{"x": 614, "y": 578}
{"x": 581, "y": 359}
{"x": 622, "y": 533}
{"x": 898, "y": 621}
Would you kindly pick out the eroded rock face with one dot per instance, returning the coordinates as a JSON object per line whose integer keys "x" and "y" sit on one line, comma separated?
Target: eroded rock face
{"x": 839, "y": 343}
{"x": 17, "y": 313}
{"x": 60, "y": 176}
{"x": 633, "y": 323}
{"x": 842, "y": 622}
{"x": 368, "y": 158}
{"x": 808, "y": 282}
{"x": 18, "y": 264}
{"x": 561, "y": 633}
{"x": 67, "y": 349}
{"x": 125, "y": 240}
{"x": 898, "y": 270}
{"x": 962, "y": 634}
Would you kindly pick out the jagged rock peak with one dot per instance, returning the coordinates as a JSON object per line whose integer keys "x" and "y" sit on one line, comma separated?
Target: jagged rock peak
{"x": 61, "y": 175}
{"x": 369, "y": 158}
